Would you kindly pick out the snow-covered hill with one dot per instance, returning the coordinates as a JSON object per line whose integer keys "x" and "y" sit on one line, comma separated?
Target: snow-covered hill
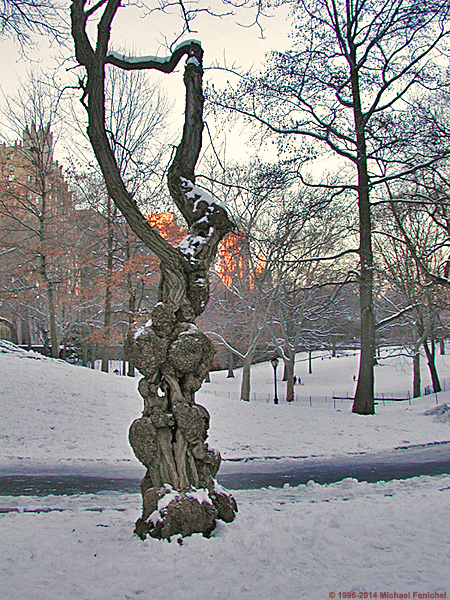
{"x": 56, "y": 414}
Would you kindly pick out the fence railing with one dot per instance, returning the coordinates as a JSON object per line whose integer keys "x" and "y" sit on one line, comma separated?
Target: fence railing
{"x": 333, "y": 400}
{"x": 445, "y": 385}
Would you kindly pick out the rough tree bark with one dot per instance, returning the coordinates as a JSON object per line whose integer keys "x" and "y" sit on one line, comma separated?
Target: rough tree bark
{"x": 180, "y": 495}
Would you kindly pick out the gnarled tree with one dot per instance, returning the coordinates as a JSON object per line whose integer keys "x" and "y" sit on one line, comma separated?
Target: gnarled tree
{"x": 180, "y": 495}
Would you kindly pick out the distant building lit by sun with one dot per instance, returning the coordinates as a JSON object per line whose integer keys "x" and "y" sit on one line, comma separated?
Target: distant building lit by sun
{"x": 167, "y": 226}
{"x": 233, "y": 263}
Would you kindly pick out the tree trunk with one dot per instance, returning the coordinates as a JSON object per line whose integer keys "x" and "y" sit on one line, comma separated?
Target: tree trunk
{"x": 245, "y": 384}
{"x": 131, "y": 370}
{"x": 310, "y": 362}
{"x": 108, "y": 289}
{"x": 230, "y": 364}
{"x": 289, "y": 365}
{"x": 19, "y": 332}
{"x": 84, "y": 353}
{"x": 416, "y": 373}
{"x": 285, "y": 371}
{"x": 131, "y": 303}
{"x": 26, "y": 334}
{"x": 50, "y": 298}
{"x": 364, "y": 403}
{"x": 170, "y": 352}
{"x": 52, "y": 317}
{"x": 431, "y": 355}
{"x": 442, "y": 347}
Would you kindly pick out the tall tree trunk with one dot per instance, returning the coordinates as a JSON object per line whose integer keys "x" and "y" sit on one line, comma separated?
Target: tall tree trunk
{"x": 364, "y": 403}
{"x": 106, "y": 342}
{"x": 431, "y": 356}
{"x": 289, "y": 365}
{"x": 52, "y": 317}
{"x": 131, "y": 305}
{"x": 27, "y": 333}
{"x": 20, "y": 338}
{"x": 285, "y": 371}
{"x": 131, "y": 372}
{"x": 416, "y": 374}
{"x": 416, "y": 362}
{"x": 45, "y": 275}
{"x": 51, "y": 306}
{"x": 84, "y": 353}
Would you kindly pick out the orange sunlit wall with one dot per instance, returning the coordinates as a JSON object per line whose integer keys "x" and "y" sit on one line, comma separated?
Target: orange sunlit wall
{"x": 167, "y": 226}
{"x": 234, "y": 260}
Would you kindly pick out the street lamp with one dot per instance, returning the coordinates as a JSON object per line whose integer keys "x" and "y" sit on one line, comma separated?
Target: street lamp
{"x": 274, "y": 363}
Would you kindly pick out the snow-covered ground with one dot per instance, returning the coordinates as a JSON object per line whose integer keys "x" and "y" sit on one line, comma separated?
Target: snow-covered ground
{"x": 310, "y": 541}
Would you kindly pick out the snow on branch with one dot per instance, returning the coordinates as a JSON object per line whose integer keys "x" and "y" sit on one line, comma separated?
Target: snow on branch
{"x": 196, "y": 193}
{"x": 165, "y": 64}
{"x": 395, "y": 316}
{"x": 227, "y": 345}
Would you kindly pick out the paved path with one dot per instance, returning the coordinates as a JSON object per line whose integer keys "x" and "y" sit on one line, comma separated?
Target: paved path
{"x": 402, "y": 463}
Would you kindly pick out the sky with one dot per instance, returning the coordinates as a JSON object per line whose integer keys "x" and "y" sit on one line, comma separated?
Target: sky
{"x": 227, "y": 41}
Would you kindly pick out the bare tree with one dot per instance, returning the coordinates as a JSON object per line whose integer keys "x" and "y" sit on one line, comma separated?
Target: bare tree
{"x": 243, "y": 299}
{"x": 308, "y": 308}
{"x": 414, "y": 297}
{"x": 22, "y": 19}
{"x": 343, "y": 87}
{"x": 35, "y": 201}
{"x": 171, "y": 353}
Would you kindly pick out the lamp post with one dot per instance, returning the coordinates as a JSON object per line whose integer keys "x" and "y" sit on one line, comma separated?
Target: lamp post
{"x": 274, "y": 363}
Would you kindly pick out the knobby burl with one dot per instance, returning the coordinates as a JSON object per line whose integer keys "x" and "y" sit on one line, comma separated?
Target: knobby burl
{"x": 180, "y": 494}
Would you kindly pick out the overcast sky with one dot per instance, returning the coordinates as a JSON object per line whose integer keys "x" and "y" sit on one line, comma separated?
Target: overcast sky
{"x": 224, "y": 41}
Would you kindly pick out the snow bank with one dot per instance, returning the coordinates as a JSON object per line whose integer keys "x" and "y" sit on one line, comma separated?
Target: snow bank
{"x": 55, "y": 413}
{"x": 293, "y": 543}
